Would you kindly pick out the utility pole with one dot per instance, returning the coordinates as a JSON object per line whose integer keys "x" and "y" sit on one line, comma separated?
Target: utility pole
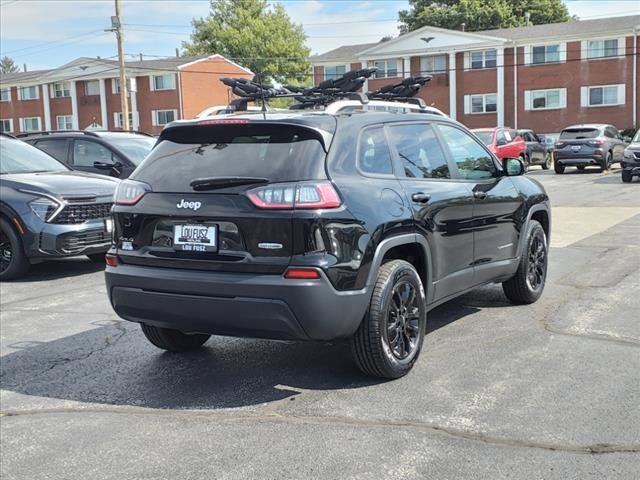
{"x": 116, "y": 27}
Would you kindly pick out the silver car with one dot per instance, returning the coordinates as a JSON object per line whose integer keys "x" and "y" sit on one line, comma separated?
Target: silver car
{"x": 588, "y": 145}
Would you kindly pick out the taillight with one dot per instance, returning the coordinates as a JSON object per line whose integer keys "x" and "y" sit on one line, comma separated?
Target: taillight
{"x": 111, "y": 260}
{"x": 289, "y": 196}
{"x": 596, "y": 142}
{"x": 129, "y": 192}
{"x": 227, "y": 121}
{"x": 559, "y": 144}
{"x": 302, "y": 274}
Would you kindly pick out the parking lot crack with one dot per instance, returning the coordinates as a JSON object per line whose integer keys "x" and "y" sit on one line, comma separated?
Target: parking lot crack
{"x": 470, "y": 435}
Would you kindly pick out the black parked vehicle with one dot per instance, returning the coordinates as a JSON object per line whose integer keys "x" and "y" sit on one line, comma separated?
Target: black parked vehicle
{"x": 47, "y": 210}
{"x": 631, "y": 159}
{"x": 116, "y": 154}
{"x": 320, "y": 226}
{"x": 588, "y": 145}
{"x": 537, "y": 152}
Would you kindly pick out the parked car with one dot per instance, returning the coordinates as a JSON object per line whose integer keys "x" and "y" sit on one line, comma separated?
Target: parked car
{"x": 47, "y": 210}
{"x": 537, "y": 152}
{"x": 319, "y": 226}
{"x": 588, "y": 145}
{"x": 116, "y": 154}
{"x": 503, "y": 142}
{"x": 631, "y": 159}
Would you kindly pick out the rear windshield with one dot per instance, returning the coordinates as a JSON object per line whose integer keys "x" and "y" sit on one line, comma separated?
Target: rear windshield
{"x": 485, "y": 137}
{"x": 278, "y": 153}
{"x": 579, "y": 133}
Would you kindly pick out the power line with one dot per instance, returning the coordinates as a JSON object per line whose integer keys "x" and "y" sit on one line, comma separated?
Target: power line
{"x": 65, "y": 39}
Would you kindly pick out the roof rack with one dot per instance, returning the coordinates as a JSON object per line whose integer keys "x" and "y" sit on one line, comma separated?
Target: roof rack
{"x": 90, "y": 133}
{"x": 326, "y": 92}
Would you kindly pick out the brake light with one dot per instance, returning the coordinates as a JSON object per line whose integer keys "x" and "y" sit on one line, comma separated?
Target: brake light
{"x": 559, "y": 144}
{"x": 302, "y": 274}
{"x": 129, "y": 192}
{"x": 111, "y": 260}
{"x": 290, "y": 196}
{"x": 596, "y": 142}
{"x": 228, "y": 121}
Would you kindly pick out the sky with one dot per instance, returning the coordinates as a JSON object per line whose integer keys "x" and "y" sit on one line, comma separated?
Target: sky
{"x": 49, "y": 33}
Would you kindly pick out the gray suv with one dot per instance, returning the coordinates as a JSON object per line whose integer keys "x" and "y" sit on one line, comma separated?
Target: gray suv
{"x": 588, "y": 145}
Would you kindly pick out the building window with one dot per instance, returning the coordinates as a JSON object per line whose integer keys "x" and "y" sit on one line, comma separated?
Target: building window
{"x": 64, "y": 122}
{"x": 6, "y": 125}
{"x": 485, "y": 103}
{"x": 545, "y": 54}
{"x": 28, "y": 93}
{"x": 603, "y": 95}
{"x": 602, "y": 48}
{"x": 164, "y": 82}
{"x": 118, "y": 120}
{"x": 115, "y": 86}
{"x": 386, "y": 68}
{"x": 5, "y": 94}
{"x": 60, "y": 89}
{"x": 92, "y": 87}
{"x": 433, "y": 64}
{"x": 545, "y": 99}
{"x": 483, "y": 59}
{"x": 30, "y": 124}
{"x": 162, "y": 117}
{"x": 334, "y": 71}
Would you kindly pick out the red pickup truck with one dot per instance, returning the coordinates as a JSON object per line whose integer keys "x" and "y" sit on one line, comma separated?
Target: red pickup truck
{"x": 504, "y": 142}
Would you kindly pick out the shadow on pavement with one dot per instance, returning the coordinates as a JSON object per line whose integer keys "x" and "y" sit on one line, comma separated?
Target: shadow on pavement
{"x": 114, "y": 364}
{"x": 55, "y": 269}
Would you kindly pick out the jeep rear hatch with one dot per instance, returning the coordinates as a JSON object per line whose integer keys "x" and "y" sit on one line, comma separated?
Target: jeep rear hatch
{"x": 220, "y": 195}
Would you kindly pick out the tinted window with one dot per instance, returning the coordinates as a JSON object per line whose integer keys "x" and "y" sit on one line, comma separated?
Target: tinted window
{"x": 374, "y": 155}
{"x": 19, "y": 157}
{"x": 135, "y": 147}
{"x": 420, "y": 151}
{"x": 473, "y": 161}
{"x": 56, "y": 148}
{"x": 85, "y": 152}
{"x": 579, "y": 133}
{"x": 276, "y": 152}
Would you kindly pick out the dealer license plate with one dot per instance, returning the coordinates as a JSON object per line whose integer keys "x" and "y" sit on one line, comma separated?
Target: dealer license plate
{"x": 195, "y": 238}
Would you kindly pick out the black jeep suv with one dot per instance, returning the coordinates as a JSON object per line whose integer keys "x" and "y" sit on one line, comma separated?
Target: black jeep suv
{"x": 320, "y": 226}
{"x": 49, "y": 211}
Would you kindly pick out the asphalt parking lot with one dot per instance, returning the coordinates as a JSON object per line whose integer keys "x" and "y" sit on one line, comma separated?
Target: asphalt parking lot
{"x": 550, "y": 390}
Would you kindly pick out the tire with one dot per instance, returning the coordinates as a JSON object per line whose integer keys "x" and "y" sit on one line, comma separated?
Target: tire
{"x": 173, "y": 340}
{"x": 527, "y": 284}
{"x": 13, "y": 262}
{"x": 525, "y": 159}
{"x": 379, "y": 346}
{"x": 558, "y": 168}
{"x": 547, "y": 162}
{"x": 96, "y": 257}
{"x": 626, "y": 176}
{"x": 607, "y": 162}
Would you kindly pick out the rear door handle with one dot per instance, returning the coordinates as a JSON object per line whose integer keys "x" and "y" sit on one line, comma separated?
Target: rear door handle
{"x": 480, "y": 195}
{"x": 420, "y": 197}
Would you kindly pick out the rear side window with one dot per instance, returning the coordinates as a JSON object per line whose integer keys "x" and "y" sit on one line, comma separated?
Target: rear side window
{"x": 579, "y": 133}
{"x": 419, "y": 151}
{"x": 85, "y": 152}
{"x": 473, "y": 161}
{"x": 374, "y": 155}
{"x": 279, "y": 153}
{"x": 56, "y": 148}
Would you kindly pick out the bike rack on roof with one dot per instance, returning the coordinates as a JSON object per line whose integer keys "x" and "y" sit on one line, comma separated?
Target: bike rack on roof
{"x": 326, "y": 92}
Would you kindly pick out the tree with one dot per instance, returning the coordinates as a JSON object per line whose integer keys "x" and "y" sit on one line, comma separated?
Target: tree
{"x": 480, "y": 14}
{"x": 7, "y": 65}
{"x": 256, "y": 35}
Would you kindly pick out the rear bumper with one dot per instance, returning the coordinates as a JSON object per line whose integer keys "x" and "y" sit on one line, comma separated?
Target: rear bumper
{"x": 244, "y": 305}
{"x": 579, "y": 161}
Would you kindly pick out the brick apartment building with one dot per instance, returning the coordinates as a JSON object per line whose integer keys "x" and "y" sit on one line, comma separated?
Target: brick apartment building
{"x": 543, "y": 77}
{"x": 86, "y": 93}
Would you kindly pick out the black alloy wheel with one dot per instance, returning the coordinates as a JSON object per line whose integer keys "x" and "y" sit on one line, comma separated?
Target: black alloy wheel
{"x": 6, "y": 251}
{"x": 13, "y": 261}
{"x": 403, "y": 322}
{"x": 537, "y": 263}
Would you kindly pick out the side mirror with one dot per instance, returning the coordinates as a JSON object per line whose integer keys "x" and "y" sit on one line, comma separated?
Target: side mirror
{"x": 104, "y": 165}
{"x": 513, "y": 167}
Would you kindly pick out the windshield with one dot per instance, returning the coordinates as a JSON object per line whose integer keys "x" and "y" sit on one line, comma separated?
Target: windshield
{"x": 135, "y": 147}
{"x": 19, "y": 157}
{"x": 485, "y": 137}
{"x": 636, "y": 137}
{"x": 579, "y": 133}
{"x": 276, "y": 153}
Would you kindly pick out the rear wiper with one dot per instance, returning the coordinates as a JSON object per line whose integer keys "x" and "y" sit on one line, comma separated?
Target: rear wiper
{"x": 200, "y": 184}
